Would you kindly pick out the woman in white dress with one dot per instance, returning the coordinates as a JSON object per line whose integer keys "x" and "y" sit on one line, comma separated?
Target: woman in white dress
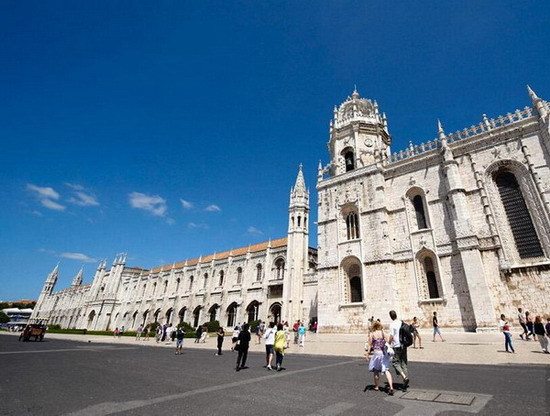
{"x": 380, "y": 362}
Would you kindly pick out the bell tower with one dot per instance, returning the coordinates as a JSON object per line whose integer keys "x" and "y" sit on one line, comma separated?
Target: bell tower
{"x": 297, "y": 250}
{"x": 359, "y": 135}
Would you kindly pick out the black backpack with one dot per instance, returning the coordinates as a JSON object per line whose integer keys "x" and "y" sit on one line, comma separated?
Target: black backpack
{"x": 406, "y": 335}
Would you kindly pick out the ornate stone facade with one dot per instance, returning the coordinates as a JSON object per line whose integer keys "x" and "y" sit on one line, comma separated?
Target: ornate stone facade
{"x": 459, "y": 225}
{"x": 439, "y": 226}
{"x": 273, "y": 280}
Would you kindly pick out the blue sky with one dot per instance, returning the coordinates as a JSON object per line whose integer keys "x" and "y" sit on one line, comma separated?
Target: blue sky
{"x": 172, "y": 129}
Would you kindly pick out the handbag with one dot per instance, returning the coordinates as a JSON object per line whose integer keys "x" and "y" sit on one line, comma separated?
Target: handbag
{"x": 388, "y": 350}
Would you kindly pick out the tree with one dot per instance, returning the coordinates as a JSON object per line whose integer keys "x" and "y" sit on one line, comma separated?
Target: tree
{"x": 4, "y": 319}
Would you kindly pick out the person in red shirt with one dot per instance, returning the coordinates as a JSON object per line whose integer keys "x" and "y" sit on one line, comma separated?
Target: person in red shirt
{"x": 295, "y": 329}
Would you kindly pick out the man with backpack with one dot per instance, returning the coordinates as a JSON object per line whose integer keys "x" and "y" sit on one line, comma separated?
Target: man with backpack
{"x": 400, "y": 340}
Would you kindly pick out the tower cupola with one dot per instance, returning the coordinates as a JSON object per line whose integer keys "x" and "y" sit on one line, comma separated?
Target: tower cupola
{"x": 359, "y": 135}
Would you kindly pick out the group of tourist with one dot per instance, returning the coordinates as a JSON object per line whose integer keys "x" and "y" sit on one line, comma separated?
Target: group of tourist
{"x": 531, "y": 328}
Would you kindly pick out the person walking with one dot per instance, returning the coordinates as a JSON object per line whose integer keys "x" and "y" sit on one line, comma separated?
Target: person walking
{"x": 281, "y": 342}
{"x": 198, "y": 334}
{"x": 221, "y": 335}
{"x": 505, "y": 329}
{"x": 530, "y": 327}
{"x": 204, "y": 334}
{"x": 415, "y": 324}
{"x": 269, "y": 341}
{"x": 521, "y": 320}
{"x": 399, "y": 360}
{"x": 121, "y": 332}
{"x": 301, "y": 334}
{"x": 259, "y": 332}
{"x": 168, "y": 334}
{"x": 295, "y": 330}
{"x": 158, "y": 335}
{"x": 435, "y": 324}
{"x": 235, "y": 337}
{"x": 180, "y": 334}
{"x": 116, "y": 332}
{"x": 379, "y": 361}
{"x": 540, "y": 332}
{"x": 243, "y": 343}
{"x": 286, "y": 329}
{"x": 139, "y": 330}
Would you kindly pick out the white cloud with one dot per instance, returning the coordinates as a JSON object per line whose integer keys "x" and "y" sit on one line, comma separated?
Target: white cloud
{"x": 254, "y": 230}
{"x": 48, "y": 203}
{"x": 41, "y": 193}
{"x": 72, "y": 256}
{"x": 186, "y": 204}
{"x": 74, "y": 186}
{"x": 37, "y": 213}
{"x": 197, "y": 225}
{"x": 78, "y": 256}
{"x": 154, "y": 204}
{"x": 47, "y": 196}
{"x": 83, "y": 199}
{"x": 213, "y": 208}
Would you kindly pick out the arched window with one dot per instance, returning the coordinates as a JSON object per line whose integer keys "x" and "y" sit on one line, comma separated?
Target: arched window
{"x": 418, "y": 205}
{"x": 205, "y": 281}
{"x": 353, "y": 281}
{"x": 213, "y": 312}
{"x": 154, "y": 288}
{"x": 231, "y": 315}
{"x": 181, "y": 315}
{"x": 220, "y": 282}
{"x": 299, "y": 220}
{"x": 177, "y": 284}
{"x": 191, "y": 278}
{"x": 430, "y": 283}
{"x": 143, "y": 293}
{"x": 165, "y": 286}
{"x": 169, "y": 315}
{"x": 355, "y": 289}
{"x": 196, "y": 316}
{"x": 433, "y": 290}
{"x": 239, "y": 275}
{"x": 275, "y": 311}
{"x": 258, "y": 272}
{"x": 523, "y": 230}
{"x": 350, "y": 160}
{"x": 352, "y": 226}
{"x": 280, "y": 267}
{"x": 252, "y": 311}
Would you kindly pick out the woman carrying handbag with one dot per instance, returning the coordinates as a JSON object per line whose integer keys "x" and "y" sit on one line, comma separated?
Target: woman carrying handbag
{"x": 380, "y": 361}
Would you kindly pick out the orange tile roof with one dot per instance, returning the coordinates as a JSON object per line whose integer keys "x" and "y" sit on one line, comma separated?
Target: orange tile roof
{"x": 281, "y": 242}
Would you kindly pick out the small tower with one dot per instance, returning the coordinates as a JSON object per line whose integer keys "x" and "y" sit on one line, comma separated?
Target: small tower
{"x": 77, "y": 280}
{"x": 51, "y": 280}
{"x": 47, "y": 291}
{"x": 297, "y": 249}
{"x": 359, "y": 135}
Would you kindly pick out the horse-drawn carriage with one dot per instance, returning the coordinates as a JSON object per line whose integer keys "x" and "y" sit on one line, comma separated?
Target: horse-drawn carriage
{"x": 33, "y": 330}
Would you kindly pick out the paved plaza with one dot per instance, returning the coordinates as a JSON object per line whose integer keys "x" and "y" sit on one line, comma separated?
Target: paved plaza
{"x": 62, "y": 376}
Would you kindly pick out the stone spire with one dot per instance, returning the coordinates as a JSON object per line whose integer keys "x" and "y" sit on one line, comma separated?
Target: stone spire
{"x": 540, "y": 105}
{"x": 300, "y": 185}
{"x": 51, "y": 280}
{"x": 440, "y": 132}
{"x": 77, "y": 280}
